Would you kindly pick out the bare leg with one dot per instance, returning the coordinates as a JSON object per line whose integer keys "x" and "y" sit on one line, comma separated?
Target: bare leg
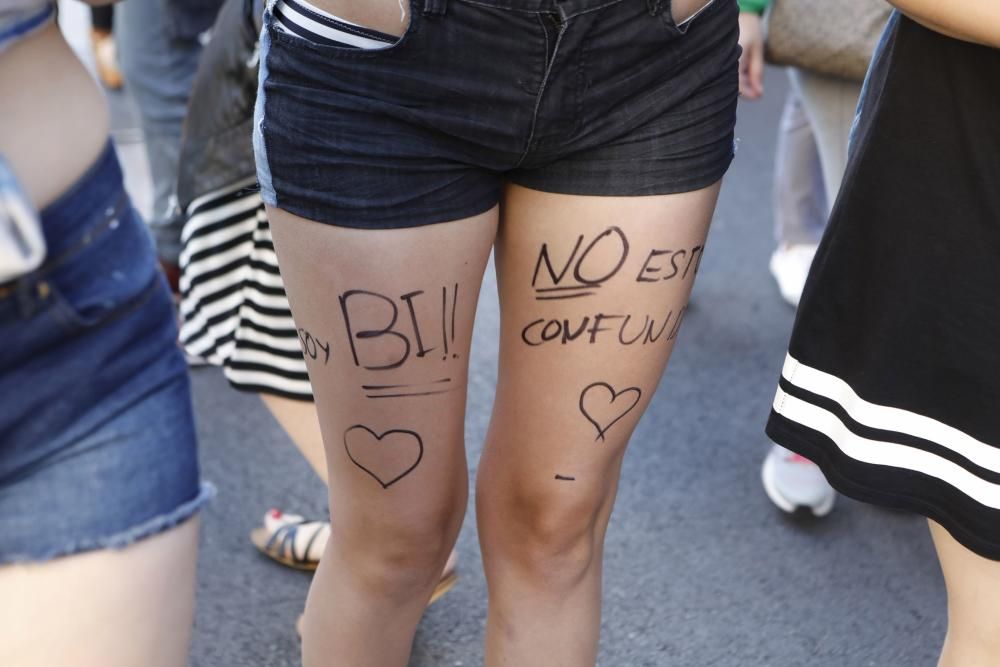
{"x": 830, "y": 103}
{"x": 301, "y": 423}
{"x": 391, "y": 314}
{"x": 103, "y": 608}
{"x": 576, "y": 373}
{"x": 973, "y": 583}
{"x": 800, "y": 209}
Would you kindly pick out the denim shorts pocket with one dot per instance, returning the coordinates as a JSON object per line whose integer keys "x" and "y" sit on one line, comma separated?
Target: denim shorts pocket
{"x": 74, "y": 317}
{"x": 298, "y": 39}
{"x": 107, "y": 277}
{"x": 681, "y": 28}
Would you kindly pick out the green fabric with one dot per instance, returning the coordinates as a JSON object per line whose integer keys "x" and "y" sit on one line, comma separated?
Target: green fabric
{"x": 755, "y": 6}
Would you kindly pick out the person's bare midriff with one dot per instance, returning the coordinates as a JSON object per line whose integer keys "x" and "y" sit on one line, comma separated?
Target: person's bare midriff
{"x": 55, "y": 119}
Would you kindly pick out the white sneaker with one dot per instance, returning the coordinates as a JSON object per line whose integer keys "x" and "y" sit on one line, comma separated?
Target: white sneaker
{"x": 790, "y": 267}
{"x": 793, "y": 482}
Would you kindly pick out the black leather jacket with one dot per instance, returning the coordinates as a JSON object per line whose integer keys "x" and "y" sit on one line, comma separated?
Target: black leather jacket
{"x": 216, "y": 148}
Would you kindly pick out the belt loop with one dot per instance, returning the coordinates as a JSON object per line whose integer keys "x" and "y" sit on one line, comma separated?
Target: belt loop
{"x": 653, "y": 6}
{"x": 435, "y": 7}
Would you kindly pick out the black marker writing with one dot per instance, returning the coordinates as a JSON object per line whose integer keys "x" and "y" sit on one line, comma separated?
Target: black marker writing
{"x": 312, "y": 346}
{"x": 407, "y": 390}
{"x": 409, "y": 394}
{"x": 565, "y": 288}
{"x": 373, "y": 300}
{"x": 677, "y": 324}
{"x": 404, "y": 386}
{"x": 561, "y": 478}
{"x": 593, "y": 328}
{"x": 543, "y": 256}
{"x": 588, "y": 272}
{"x": 444, "y": 315}
{"x": 454, "y": 307}
{"x": 682, "y": 263}
{"x": 387, "y": 457}
{"x": 379, "y": 341}
{"x": 610, "y": 233}
{"x": 560, "y": 297}
{"x": 408, "y": 298}
{"x": 603, "y": 406}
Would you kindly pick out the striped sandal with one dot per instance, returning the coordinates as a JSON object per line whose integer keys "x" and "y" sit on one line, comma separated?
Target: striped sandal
{"x": 291, "y": 540}
{"x": 294, "y": 542}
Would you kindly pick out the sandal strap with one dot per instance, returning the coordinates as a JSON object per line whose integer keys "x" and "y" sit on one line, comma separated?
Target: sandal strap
{"x": 309, "y": 544}
{"x": 282, "y": 540}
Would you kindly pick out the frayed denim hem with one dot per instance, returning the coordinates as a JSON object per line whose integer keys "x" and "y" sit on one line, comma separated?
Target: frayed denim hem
{"x": 125, "y": 538}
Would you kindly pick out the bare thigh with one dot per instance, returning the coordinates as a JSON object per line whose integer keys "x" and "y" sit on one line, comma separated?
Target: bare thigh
{"x": 593, "y": 291}
{"x": 386, "y": 320}
{"x": 973, "y": 584}
{"x": 830, "y": 104}
{"x": 103, "y": 608}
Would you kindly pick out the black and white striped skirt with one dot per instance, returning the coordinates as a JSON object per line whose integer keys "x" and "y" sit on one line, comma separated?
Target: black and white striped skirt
{"x": 233, "y": 306}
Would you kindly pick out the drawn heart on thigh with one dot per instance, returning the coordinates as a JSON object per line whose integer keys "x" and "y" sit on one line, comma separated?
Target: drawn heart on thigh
{"x": 603, "y": 406}
{"x": 388, "y": 457}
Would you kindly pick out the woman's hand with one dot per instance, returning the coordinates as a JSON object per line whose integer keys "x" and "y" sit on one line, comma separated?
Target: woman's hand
{"x": 752, "y": 60}
{"x": 969, "y": 20}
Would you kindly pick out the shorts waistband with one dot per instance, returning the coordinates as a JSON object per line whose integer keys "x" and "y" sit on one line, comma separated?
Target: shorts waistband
{"x": 21, "y": 25}
{"x": 96, "y": 199}
{"x": 562, "y": 7}
{"x": 92, "y": 205}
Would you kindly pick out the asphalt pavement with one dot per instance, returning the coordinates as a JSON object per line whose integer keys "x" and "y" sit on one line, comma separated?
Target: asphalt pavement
{"x": 700, "y": 568}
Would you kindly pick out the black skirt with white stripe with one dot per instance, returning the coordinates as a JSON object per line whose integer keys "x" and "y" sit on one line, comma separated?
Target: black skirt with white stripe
{"x": 892, "y": 383}
{"x": 233, "y": 306}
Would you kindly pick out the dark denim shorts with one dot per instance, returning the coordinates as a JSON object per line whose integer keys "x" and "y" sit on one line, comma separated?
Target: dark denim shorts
{"x": 586, "y": 97}
{"x": 97, "y": 440}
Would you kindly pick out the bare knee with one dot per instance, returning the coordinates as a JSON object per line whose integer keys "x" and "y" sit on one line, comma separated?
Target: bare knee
{"x": 554, "y": 537}
{"x": 400, "y": 556}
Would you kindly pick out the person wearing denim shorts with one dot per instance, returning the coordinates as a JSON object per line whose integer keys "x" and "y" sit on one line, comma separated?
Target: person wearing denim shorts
{"x": 99, "y": 479}
{"x": 584, "y": 142}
